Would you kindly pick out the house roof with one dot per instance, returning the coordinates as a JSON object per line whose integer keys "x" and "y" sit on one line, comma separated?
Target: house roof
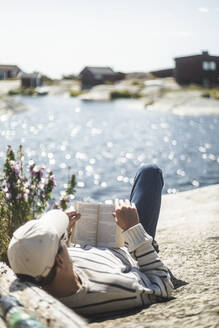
{"x": 31, "y": 75}
{"x": 162, "y": 70}
{"x": 204, "y": 54}
{"x": 100, "y": 70}
{"x": 9, "y": 68}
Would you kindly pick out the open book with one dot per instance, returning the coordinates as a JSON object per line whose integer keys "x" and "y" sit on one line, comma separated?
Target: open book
{"x": 97, "y": 226}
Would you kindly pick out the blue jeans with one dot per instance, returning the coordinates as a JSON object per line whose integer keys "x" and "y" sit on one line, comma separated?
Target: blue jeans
{"x": 146, "y": 194}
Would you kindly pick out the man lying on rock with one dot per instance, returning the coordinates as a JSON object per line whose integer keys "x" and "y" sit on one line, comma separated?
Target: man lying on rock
{"x": 91, "y": 280}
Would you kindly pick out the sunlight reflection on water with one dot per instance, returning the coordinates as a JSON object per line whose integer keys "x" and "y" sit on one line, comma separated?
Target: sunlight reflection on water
{"x": 105, "y": 143}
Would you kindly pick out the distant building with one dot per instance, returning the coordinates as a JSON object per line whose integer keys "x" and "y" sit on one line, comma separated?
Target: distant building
{"x": 199, "y": 69}
{"x": 168, "y": 72}
{"x": 31, "y": 80}
{"x": 9, "y": 71}
{"x": 91, "y": 76}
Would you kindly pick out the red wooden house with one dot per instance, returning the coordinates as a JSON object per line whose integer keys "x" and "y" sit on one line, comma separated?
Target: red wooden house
{"x": 199, "y": 69}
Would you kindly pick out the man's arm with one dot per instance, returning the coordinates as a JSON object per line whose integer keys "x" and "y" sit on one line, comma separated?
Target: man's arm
{"x": 140, "y": 247}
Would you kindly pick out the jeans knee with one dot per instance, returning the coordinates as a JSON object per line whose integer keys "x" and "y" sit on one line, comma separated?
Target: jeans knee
{"x": 151, "y": 170}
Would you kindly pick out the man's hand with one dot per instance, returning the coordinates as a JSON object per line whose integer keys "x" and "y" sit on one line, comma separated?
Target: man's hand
{"x": 126, "y": 214}
{"x": 73, "y": 217}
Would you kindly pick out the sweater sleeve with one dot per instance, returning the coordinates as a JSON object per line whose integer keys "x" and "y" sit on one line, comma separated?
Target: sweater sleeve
{"x": 156, "y": 273}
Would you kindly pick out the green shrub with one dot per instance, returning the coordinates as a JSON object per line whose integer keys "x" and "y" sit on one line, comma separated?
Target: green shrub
{"x": 22, "y": 91}
{"x": 28, "y": 91}
{"x": 13, "y": 92}
{"x": 108, "y": 83}
{"x": 138, "y": 83}
{"x": 4, "y": 227}
{"x": 70, "y": 77}
{"x": 25, "y": 194}
{"x": 215, "y": 94}
{"x": 116, "y": 94}
{"x": 75, "y": 93}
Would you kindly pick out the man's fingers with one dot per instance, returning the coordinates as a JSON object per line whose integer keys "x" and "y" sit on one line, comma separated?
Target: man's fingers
{"x": 72, "y": 220}
{"x": 71, "y": 212}
{"x": 133, "y": 205}
{"x": 75, "y": 217}
{"x": 117, "y": 204}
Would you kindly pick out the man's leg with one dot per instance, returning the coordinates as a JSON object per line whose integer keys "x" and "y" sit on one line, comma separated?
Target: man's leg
{"x": 146, "y": 194}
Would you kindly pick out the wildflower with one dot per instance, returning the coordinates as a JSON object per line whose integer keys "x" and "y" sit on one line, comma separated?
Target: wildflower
{"x": 31, "y": 163}
{"x": 38, "y": 168}
{"x": 32, "y": 173}
{"x": 20, "y": 176}
{"x": 52, "y": 177}
{"x": 41, "y": 185}
{"x": 16, "y": 170}
{"x": 30, "y": 193}
{"x": 56, "y": 205}
{"x": 8, "y": 149}
{"x": 26, "y": 196}
{"x": 8, "y": 195}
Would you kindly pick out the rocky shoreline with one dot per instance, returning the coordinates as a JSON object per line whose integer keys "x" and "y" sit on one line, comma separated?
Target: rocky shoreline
{"x": 165, "y": 96}
{"x": 10, "y": 106}
{"x": 188, "y": 237}
{"x": 184, "y": 103}
{"x": 176, "y": 101}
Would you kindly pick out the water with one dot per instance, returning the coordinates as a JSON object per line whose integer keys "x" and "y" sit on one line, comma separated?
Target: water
{"x": 104, "y": 144}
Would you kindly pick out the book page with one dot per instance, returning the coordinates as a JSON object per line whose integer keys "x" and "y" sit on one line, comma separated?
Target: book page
{"x": 108, "y": 233}
{"x": 86, "y": 227}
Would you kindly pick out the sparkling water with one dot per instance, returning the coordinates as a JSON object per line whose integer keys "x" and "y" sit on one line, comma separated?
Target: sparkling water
{"x": 104, "y": 143}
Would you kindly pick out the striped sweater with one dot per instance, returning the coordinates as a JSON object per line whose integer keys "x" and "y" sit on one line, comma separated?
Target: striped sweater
{"x": 118, "y": 279}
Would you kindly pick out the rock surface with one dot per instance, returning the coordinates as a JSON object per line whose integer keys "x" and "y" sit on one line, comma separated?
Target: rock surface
{"x": 10, "y": 106}
{"x": 7, "y": 85}
{"x": 188, "y": 236}
{"x": 184, "y": 103}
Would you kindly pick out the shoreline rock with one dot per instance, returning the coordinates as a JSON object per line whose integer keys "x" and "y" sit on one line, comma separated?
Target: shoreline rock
{"x": 10, "y": 106}
{"x": 188, "y": 236}
{"x": 184, "y": 103}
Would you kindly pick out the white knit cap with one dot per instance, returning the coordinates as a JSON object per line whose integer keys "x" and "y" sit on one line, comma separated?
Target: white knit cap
{"x": 33, "y": 247}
